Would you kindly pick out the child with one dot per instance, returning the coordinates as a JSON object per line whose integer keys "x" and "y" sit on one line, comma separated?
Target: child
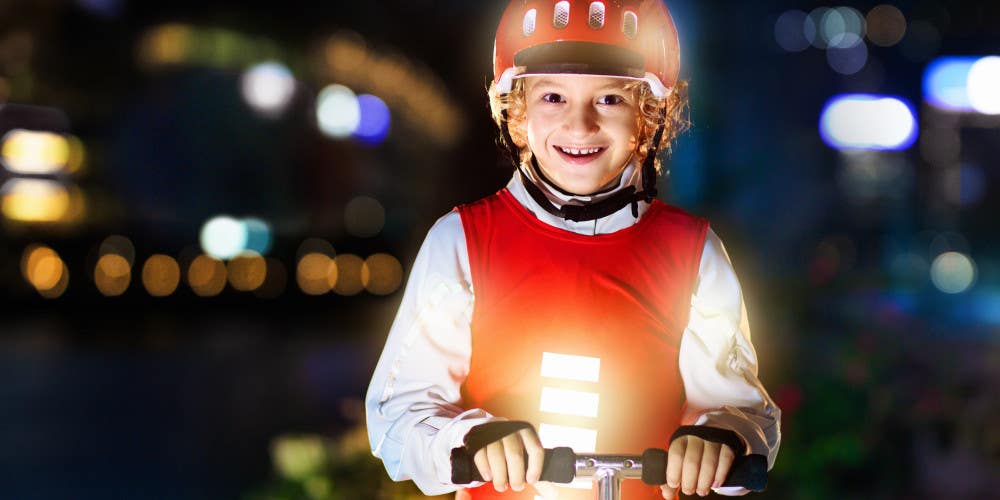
{"x": 573, "y": 299}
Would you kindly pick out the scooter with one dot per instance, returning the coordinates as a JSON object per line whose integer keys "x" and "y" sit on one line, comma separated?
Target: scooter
{"x": 562, "y": 465}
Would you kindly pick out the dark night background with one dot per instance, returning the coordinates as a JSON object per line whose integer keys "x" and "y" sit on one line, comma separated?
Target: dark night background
{"x": 888, "y": 384}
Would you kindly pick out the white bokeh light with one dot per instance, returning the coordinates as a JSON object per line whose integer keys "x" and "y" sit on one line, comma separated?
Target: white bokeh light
{"x": 984, "y": 85}
{"x": 868, "y": 122}
{"x": 268, "y": 87}
{"x": 223, "y": 237}
{"x": 953, "y": 272}
{"x": 337, "y": 111}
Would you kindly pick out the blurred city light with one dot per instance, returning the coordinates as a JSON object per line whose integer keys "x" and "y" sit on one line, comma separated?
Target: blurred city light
{"x": 35, "y": 200}
{"x": 315, "y": 245}
{"x": 953, "y": 272}
{"x": 275, "y": 280}
{"x": 258, "y": 235}
{"x": 886, "y": 25}
{"x": 868, "y": 122}
{"x": 206, "y": 276}
{"x": 842, "y": 27}
{"x": 268, "y": 88}
{"x": 847, "y": 60}
{"x": 410, "y": 89}
{"x": 946, "y": 82}
{"x": 161, "y": 275}
{"x": 77, "y": 154}
{"x": 247, "y": 271}
{"x": 375, "y": 119}
{"x": 223, "y": 237}
{"x": 175, "y": 43}
{"x": 314, "y": 273}
{"x": 348, "y": 275}
{"x": 60, "y": 287}
{"x": 112, "y": 275}
{"x": 120, "y": 245}
{"x": 34, "y": 152}
{"x": 165, "y": 44}
{"x": 381, "y": 274}
{"x": 789, "y": 31}
{"x": 984, "y": 85}
{"x": 42, "y": 268}
{"x": 338, "y": 112}
{"x": 364, "y": 217}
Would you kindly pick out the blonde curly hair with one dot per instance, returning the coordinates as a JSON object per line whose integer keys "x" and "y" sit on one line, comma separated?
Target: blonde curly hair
{"x": 648, "y": 118}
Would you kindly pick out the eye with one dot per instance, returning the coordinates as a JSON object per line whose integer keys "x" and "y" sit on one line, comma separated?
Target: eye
{"x": 611, "y": 99}
{"x": 553, "y": 98}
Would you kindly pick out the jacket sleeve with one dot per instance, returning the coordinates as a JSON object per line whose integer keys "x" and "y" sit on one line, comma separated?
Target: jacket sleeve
{"x": 413, "y": 405}
{"x": 719, "y": 365}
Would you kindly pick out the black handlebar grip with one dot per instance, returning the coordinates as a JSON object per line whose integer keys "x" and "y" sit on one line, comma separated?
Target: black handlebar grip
{"x": 654, "y": 466}
{"x": 559, "y": 466}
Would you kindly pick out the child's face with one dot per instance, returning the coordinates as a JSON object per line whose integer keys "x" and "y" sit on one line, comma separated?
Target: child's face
{"x": 582, "y": 129}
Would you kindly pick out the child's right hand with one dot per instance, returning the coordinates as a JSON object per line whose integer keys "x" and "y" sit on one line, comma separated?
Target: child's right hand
{"x": 502, "y": 461}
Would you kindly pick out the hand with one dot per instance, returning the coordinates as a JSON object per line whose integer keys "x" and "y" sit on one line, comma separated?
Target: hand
{"x": 502, "y": 461}
{"x": 696, "y": 465}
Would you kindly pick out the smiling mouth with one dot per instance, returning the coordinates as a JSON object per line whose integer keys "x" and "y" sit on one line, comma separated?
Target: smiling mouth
{"x": 584, "y": 153}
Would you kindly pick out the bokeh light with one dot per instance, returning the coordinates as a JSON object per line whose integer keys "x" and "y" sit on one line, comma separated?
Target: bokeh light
{"x": 946, "y": 82}
{"x": 842, "y": 27}
{"x": 60, "y": 287}
{"x": 120, "y": 245}
{"x": 112, "y": 275}
{"x": 789, "y": 31}
{"x": 268, "y": 88}
{"x": 35, "y": 200}
{"x": 161, "y": 275}
{"x": 847, "y": 60}
{"x": 315, "y": 245}
{"x": 338, "y": 112}
{"x": 984, "y": 85}
{"x": 868, "y": 122}
{"x": 77, "y": 154}
{"x": 314, "y": 272}
{"x": 247, "y": 271}
{"x": 34, "y": 152}
{"x": 373, "y": 126}
{"x": 348, "y": 278}
{"x": 364, "y": 217}
{"x": 223, "y": 237}
{"x": 258, "y": 235}
{"x": 953, "y": 272}
{"x": 166, "y": 44}
{"x": 381, "y": 274}
{"x": 206, "y": 276}
{"x": 886, "y": 25}
{"x": 43, "y": 268}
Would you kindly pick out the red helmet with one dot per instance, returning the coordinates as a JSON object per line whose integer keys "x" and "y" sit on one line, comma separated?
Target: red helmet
{"x": 625, "y": 38}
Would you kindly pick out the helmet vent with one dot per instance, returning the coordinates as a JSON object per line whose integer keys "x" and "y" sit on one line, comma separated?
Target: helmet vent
{"x": 560, "y": 19}
{"x": 596, "y": 15}
{"x": 630, "y": 24}
{"x": 528, "y": 26}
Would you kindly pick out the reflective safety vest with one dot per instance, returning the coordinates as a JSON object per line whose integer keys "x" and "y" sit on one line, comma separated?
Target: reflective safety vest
{"x": 577, "y": 334}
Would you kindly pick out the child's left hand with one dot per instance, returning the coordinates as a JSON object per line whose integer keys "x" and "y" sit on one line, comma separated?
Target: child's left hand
{"x": 696, "y": 465}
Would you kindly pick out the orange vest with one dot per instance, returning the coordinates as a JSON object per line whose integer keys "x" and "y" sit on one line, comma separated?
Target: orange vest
{"x": 579, "y": 335}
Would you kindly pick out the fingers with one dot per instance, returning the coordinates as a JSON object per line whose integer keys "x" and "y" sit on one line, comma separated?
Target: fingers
{"x": 514, "y": 452}
{"x": 498, "y": 465}
{"x": 709, "y": 465}
{"x": 726, "y": 458}
{"x": 483, "y": 465}
{"x": 692, "y": 462}
{"x": 536, "y": 455}
{"x": 675, "y": 459}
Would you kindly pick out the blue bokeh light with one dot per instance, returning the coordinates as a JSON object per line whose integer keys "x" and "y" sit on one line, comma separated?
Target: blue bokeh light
{"x": 375, "y": 119}
{"x": 946, "y": 82}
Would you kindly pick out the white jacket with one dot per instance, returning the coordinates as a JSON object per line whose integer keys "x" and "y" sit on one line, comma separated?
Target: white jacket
{"x": 414, "y": 408}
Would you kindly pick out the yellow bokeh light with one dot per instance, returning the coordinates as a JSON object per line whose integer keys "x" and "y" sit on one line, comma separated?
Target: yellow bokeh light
{"x": 207, "y": 276}
{"x": 34, "y": 152}
{"x": 42, "y": 267}
{"x": 60, "y": 287}
{"x": 313, "y": 273}
{"x": 119, "y": 245}
{"x": 34, "y": 200}
{"x": 167, "y": 44}
{"x": 247, "y": 271}
{"x": 160, "y": 275}
{"x": 77, "y": 156}
{"x": 112, "y": 275}
{"x": 381, "y": 274}
{"x": 348, "y": 281}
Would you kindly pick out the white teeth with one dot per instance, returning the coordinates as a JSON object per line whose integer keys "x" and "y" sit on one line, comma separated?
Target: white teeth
{"x": 578, "y": 152}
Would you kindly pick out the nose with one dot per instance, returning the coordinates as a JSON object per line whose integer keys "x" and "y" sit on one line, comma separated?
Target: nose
{"x": 581, "y": 120}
